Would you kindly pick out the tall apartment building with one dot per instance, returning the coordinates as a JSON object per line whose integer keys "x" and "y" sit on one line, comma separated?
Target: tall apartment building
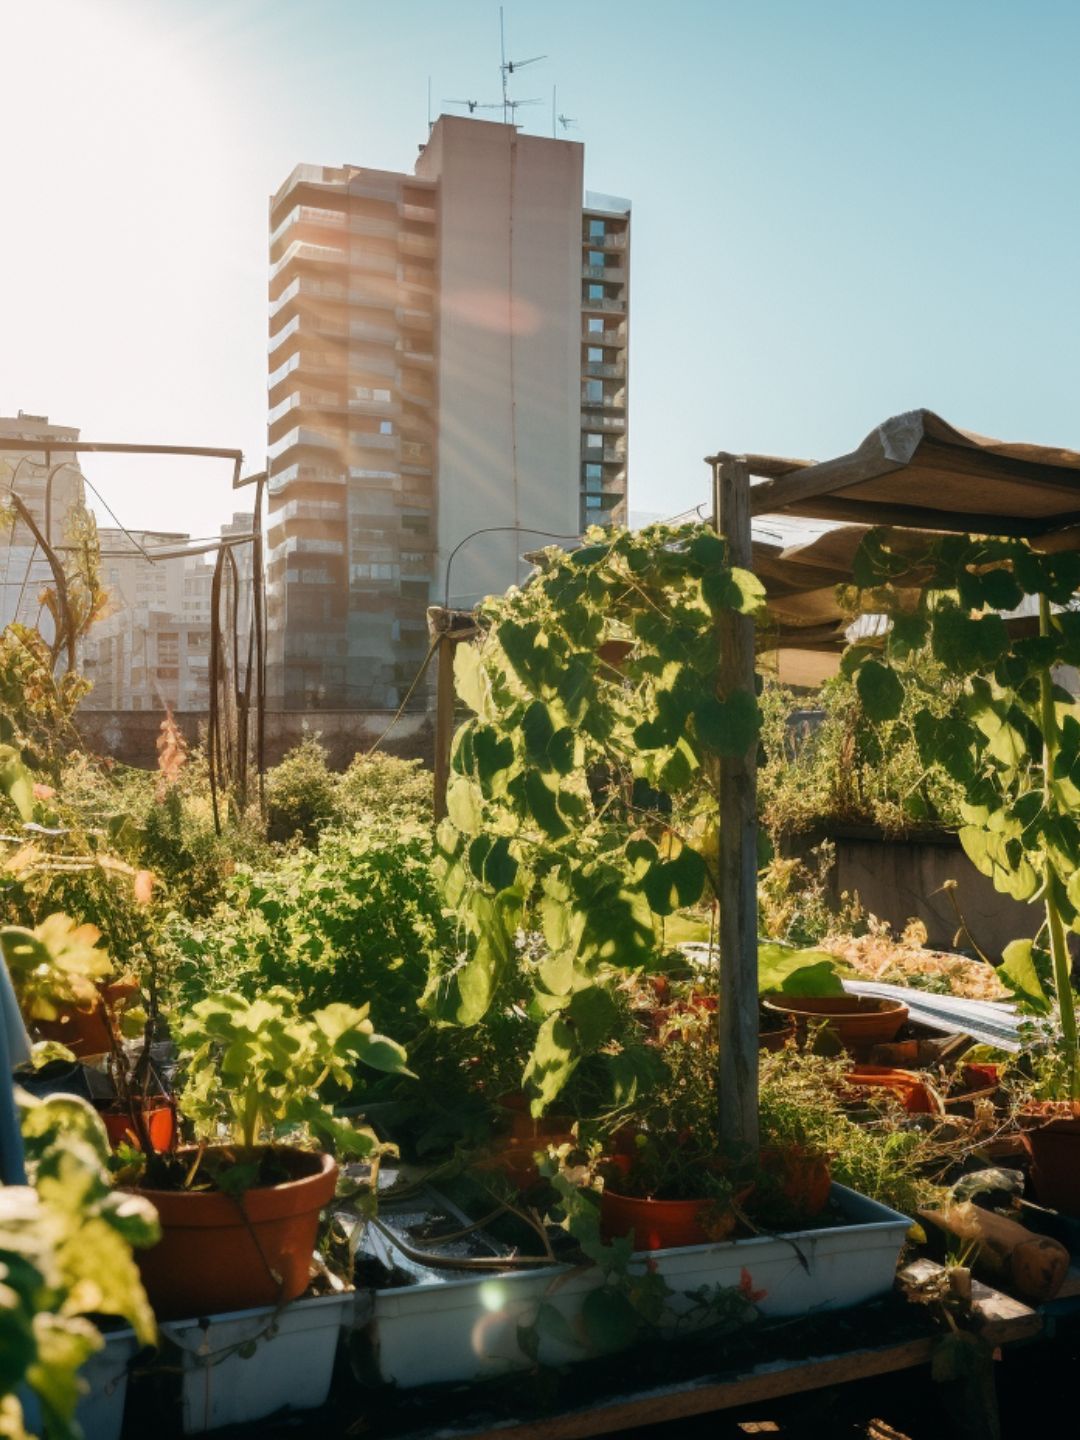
{"x": 48, "y": 479}
{"x": 447, "y": 380}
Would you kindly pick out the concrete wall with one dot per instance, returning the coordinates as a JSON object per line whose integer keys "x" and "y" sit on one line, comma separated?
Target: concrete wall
{"x": 130, "y": 736}
{"x": 902, "y": 879}
{"x": 508, "y": 345}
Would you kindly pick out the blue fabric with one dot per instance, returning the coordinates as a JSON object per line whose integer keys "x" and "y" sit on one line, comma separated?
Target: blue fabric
{"x": 14, "y": 1051}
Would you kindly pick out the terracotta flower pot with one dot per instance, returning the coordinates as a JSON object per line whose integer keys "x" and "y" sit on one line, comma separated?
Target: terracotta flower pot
{"x": 218, "y": 1252}
{"x": 159, "y": 1117}
{"x": 84, "y": 1032}
{"x": 775, "y": 1038}
{"x": 1050, "y": 1130}
{"x": 858, "y": 1021}
{"x": 524, "y": 1127}
{"x": 666, "y": 1224}
{"x": 807, "y": 1175}
{"x": 909, "y": 1088}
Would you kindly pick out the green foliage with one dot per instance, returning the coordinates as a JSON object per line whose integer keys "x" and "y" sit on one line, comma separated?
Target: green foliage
{"x": 65, "y": 1254}
{"x": 858, "y": 763}
{"x": 300, "y": 793}
{"x": 362, "y": 916}
{"x": 565, "y": 781}
{"x": 57, "y": 964}
{"x": 1013, "y": 743}
{"x": 383, "y": 789}
{"x": 259, "y": 1065}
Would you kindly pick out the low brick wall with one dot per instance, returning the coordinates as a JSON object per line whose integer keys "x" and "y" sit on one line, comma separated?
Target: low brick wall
{"x": 131, "y": 735}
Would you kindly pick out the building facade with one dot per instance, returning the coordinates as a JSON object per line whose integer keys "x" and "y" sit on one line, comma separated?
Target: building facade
{"x": 49, "y": 482}
{"x": 436, "y": 382}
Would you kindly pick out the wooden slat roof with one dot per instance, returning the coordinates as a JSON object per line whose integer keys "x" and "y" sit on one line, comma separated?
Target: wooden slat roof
{"x": 918, "y": 471}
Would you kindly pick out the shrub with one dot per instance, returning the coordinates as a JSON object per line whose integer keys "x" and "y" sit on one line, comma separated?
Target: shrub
{"x": 357, "y": 919}
{"x": 300, "y": 793}
{"x": 382, "y": 786}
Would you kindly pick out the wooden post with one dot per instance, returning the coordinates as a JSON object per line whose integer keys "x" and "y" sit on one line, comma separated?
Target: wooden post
{"x": 444, "y": 719}
{"x": 738, "y": 1010}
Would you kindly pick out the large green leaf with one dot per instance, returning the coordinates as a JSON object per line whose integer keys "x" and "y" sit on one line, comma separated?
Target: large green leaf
{"x": 880, "y": 691}
{"x": 728, "y": 727}
{"x": 797, "y": 972}
{"x": 1019, "y": 972}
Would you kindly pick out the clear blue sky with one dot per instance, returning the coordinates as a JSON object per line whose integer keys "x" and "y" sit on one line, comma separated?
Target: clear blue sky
{"x": 842, "y": 208}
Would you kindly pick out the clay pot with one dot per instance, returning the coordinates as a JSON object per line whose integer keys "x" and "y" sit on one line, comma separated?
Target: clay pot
{"x": 159, "y": 1117}
{"x": 665, "y": 1224}
{"x": 857, "y": 1021}
{"x": 909, "y": 1088}
{"x": 807, "y": 1176}
{"x": 524, "y": 1127}
{"x": 84, "y": 1032}
{"x": 773, "y": 1033}
{"x": 218, "y": 1252}
{"x": 1050, "y": 1130}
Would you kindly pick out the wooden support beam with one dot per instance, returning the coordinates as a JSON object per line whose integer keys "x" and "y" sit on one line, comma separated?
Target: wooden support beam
{"x": 444, "y": 720}
{"x": 737, "y": 875}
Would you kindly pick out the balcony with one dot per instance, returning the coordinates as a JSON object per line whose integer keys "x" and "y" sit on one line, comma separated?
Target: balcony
{"x": 371, "y": 440}
{"x": 602, "y": 370}
{"x": 425, "y": 214}
{"x": 604, "y": 402}
{"x": 616, "y": 241}
{"x": 303, "y": 251}
{"x": 309, "y": 399}
{"x": 594, "y": 421}
{"x": 608, "y": 455}
{"x": 412, "y": 319}
{"x": 615, "y": 307}
{"x": 414, "y": 356}
{"x": 302, "y": 435}
{"x": 297, "y": 474}
{"x": 412, "y": 244}
{"x": 312, "y": 215}
{"x": 416, "y": 454}
{"x": 384, "y": 229}
{"x": 610, "y": 274}
{"x": 611, "y": 339}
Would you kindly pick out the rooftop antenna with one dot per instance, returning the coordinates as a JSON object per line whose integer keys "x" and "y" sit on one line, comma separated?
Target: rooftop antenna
{"x": 507, "y": 68}
{"x": 475, "y": 105}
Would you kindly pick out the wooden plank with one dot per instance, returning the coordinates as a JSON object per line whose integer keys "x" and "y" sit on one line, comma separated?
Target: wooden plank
{"x": 444, "y": 721}
{"x": 872, "y": 458}
{"x": 737, "y": 873}
{"x": 681, "y": 1402}
{"x": 917, "y": 517}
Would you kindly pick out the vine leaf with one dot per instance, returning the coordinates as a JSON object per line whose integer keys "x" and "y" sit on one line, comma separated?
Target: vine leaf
{"x": 880, "y": 691}
{"x": 728, "y": 727}
{"x": 1019, "y": 972}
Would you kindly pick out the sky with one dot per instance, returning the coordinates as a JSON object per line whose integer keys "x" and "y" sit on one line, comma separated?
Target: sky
{"x": 842, "y": 209}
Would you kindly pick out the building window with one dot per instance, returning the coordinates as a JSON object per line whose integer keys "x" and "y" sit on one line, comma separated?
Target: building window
{"x": 594, "y": 442}
{"x": 596, "y": 257}
{"x": 386, "y": 427}
{"x": 594, "y": 392}
{"x": 594, "y": 477}
{"x": 597, "y": 229}
{"x": 593, "y": 502}
{"x": 596, "y": 291}
{"x": 595, "y": 355}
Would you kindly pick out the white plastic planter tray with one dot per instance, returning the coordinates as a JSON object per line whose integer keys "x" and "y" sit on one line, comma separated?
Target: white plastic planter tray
{"x": 290, "y": 1368}
{"x": 451, "y": 1329}
{"x": 101, "y": 1411}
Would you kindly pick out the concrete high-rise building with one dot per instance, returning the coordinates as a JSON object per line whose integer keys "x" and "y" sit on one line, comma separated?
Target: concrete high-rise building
{"x": 447, "y": 357}
{"x": 48, "y": 480}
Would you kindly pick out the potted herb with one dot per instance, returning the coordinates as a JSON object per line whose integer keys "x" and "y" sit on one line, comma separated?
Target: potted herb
{"x": 240, "y": 1211}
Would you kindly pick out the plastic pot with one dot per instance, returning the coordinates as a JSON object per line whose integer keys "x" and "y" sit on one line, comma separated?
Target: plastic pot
{"x": 666, "y": 1224}
{"x": 220, "y": 1252}
{"x": 909, "y": 1088}
{"x": 857, "y": 1021}
{"x": 159, "y": 1117}
{"x": 1051, "y": 1134}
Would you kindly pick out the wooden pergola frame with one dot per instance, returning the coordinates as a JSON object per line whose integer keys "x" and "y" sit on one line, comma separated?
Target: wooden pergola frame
{"x": 914, "y": 471}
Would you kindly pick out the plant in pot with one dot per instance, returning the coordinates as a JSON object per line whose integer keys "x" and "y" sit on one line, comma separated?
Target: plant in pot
{"x": 1013, "y": 745}
{"x": 61, "y": 977}
{"x": 240, "y": 1211}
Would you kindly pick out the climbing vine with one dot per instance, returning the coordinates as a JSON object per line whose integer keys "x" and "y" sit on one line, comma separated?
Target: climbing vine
{"x": 583, "y": 797}
{"x": 1013, "y": 744}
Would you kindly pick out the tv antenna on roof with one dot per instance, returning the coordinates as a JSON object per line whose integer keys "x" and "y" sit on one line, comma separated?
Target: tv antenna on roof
{"x": 557, "y": 118}
{"x": 508, "y": 67}
{"x": 475, "y": 105}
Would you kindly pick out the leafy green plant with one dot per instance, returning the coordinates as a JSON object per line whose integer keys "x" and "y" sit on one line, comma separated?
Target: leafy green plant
{"x": 65, "y": 1254}
{"x": 301, "y": 793}
{"x": 561, "y": 805}
{"x": 384, "y": 790}
{"x": 1013, "y": 746}
{"x": 59, "y": 963}
{"x": 258, "y": 1067}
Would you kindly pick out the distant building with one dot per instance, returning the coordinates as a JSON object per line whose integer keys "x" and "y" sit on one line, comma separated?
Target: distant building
{"x": 152, "y": 649}
{"x": 48, "y": 480}
{"x": 447, "y": 356}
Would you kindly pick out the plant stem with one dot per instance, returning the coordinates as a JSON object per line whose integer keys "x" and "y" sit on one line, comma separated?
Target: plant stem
{"x": 1058, "y": 949}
